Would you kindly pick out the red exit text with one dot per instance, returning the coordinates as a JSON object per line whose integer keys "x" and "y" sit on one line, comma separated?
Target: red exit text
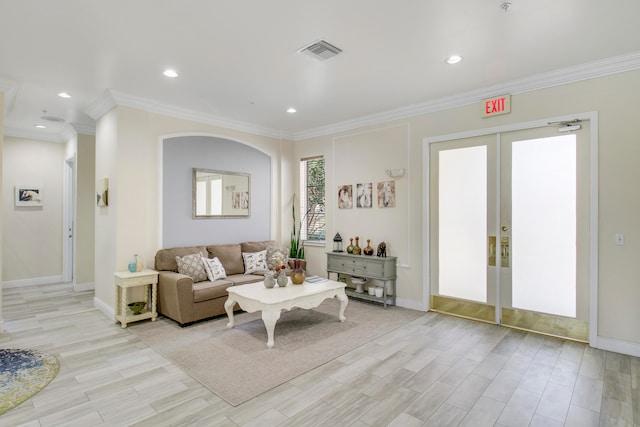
{"x": 496, "y": 106}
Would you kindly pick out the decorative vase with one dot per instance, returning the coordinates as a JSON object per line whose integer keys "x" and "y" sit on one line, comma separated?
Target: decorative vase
{"x": 297, "y": 274}
{"x": 356, "y": 248}
{"x": 282, "y": 279}
{"x": 132, "y": 265}
{"x": 350, "y": 247}
{"x": 368, "y": 250}
{"x": 138, "y": 263}
{"x": 269, "y": 280}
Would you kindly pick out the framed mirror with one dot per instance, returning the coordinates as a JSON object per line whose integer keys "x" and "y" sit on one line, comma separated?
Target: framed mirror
{"x": 220, "y": 194}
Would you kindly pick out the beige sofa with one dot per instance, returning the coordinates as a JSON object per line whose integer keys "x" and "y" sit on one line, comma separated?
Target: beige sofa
{"x": 184, "y": 301}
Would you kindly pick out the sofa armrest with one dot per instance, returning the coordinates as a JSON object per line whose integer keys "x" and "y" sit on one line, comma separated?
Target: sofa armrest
{"x": 175, "y": 296}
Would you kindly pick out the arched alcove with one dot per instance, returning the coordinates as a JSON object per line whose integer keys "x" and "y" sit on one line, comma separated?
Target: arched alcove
{"x": 183, "y": 153}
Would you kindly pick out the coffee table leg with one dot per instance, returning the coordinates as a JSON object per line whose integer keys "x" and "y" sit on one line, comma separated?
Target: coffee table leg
{"x": 228, "y": 307}
{"x": 342, "y": 297}
{"x": 270, "y": 318}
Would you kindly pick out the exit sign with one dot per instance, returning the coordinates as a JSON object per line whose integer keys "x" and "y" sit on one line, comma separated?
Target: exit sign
{"x": 496, "y": 106}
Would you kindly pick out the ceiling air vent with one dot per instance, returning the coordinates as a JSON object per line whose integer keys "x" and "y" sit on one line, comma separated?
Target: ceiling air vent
{"x": 321, "y": 50}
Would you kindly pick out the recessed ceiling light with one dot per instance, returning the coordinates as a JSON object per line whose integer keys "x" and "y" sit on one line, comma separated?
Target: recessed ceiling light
{"x": 170, "y": 73}
{"x": 40, "y": 126}
{"x": 454, "y": 59}
{"x": 64, "y": 95}
{"x": 291, "y": 110}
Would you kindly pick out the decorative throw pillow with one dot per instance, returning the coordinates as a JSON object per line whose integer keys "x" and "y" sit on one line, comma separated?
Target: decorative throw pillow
{"x": 214, "y": 268}
{"x": 254, "y": 261}
{"x": 192, "y": 266}
{"x": 275, "y": 258}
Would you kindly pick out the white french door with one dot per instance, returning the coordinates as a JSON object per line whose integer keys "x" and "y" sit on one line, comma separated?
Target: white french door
{"x": 510, "y": 229}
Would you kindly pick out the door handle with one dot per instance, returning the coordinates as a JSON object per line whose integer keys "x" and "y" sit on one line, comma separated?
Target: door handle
{"x": 504, "y": 251}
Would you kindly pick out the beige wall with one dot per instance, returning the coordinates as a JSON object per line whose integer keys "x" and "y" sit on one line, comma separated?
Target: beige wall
{"x": 128, "y": 153}
{"x": 32, "y": 236}
{"x": 614, "y": 97}
{"x": 85, "y": 210}
{"x": 105, "y": 218}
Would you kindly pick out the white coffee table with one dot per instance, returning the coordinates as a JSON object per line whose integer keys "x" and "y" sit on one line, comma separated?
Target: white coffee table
{"x": 255, "y": 297}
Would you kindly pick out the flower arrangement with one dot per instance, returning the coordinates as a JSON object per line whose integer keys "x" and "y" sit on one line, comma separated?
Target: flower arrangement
{"x": 278, "y": 258}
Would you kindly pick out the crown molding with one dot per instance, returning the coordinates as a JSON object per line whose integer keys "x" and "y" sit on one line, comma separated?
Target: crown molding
{"x": 111, "y": 98}
{"x": 83, "y": 129}
{"x": 68, "y": 132}
{"x": 10, "y": 90}
{"x": 591, "y": 70}
{"x": 196, "y": 116}
{"x": 101, "y": 105}
{"x": 34, "y": 135}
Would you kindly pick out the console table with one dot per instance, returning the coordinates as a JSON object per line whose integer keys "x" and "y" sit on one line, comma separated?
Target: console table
{"x": 370, "y": 267}
{"x": 125, "y": 280}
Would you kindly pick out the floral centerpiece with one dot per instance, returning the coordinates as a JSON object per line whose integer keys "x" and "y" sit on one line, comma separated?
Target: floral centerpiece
{"x": 282, "y": 276}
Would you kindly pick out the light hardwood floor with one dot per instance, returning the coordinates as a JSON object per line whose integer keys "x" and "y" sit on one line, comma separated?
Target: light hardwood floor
{"x": 436, "y": 370}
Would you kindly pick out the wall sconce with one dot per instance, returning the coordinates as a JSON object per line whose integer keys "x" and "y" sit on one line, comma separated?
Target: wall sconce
{"x": 395, "y": 173}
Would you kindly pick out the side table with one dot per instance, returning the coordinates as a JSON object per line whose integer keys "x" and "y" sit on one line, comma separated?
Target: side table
{"x": 125, "y": 280}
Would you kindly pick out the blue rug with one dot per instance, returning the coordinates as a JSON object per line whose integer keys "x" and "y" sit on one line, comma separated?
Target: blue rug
{"x": 23, "y": 373}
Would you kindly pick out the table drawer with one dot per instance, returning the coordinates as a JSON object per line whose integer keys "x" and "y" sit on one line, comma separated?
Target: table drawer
{"x": 345, "y": 264}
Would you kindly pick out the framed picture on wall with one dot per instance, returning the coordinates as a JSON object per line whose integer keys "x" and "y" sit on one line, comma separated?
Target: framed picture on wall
{"x": 387, "y": 194}
{"x": 345, "y": 197}
{"x": 28, "y": 195}
{"x": 364, "y": 195}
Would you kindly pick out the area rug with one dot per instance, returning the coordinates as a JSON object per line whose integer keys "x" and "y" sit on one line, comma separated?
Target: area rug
{"x": 236, "y": 363}
{"x": 23, "y": 373}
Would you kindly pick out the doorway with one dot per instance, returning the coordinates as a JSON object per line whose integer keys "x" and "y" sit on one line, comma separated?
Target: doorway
{"x": 69, "y": 200}
{"x": 509, "y": 228}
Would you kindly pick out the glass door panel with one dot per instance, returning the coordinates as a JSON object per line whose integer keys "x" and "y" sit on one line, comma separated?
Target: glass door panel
{"x": 540, "y": 211}
{"x": 460, "y": 186}
{"x": 463, "y": 223}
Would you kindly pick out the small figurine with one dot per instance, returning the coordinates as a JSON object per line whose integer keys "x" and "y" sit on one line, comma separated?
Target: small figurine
{"x": 382, "y": 250}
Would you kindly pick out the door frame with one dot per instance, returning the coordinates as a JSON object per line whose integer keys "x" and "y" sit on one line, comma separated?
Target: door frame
{"x": 68, "y": 222}
{"x": 592, "y": 116}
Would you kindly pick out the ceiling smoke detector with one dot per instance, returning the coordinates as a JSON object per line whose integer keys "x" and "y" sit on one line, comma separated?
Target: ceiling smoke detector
{"x": 321, "y": 50}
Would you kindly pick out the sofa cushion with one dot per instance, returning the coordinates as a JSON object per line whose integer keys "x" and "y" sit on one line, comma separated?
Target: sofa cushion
{"x": 166, "y": 258}
{"x": 192, "y": 266}
{"x": 242, "y": 279}
{"x": 254, "y": 261}
{"x": 257, "y": 246}
{"x": 205, "y": 291}
{"x": 214, "y": 268}
{"x": 229, "y": 255}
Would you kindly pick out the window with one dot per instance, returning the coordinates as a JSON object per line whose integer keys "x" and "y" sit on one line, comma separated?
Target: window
{"x": 312, "y": 199}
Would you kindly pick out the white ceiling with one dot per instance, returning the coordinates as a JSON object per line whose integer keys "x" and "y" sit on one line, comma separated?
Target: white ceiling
{"x": 238, "y": 60}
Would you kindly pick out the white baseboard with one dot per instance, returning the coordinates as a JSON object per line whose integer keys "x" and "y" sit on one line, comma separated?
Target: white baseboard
{"x": 618, "y": 346}
{"x": 105, "y": 308}
{"x": 409, "y": 303}
{"x": 78, "y": 287}
{"x": 32, "y": 282}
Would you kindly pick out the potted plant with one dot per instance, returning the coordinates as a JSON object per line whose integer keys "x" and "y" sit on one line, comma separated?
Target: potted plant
{"x": 296, "y": 250}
